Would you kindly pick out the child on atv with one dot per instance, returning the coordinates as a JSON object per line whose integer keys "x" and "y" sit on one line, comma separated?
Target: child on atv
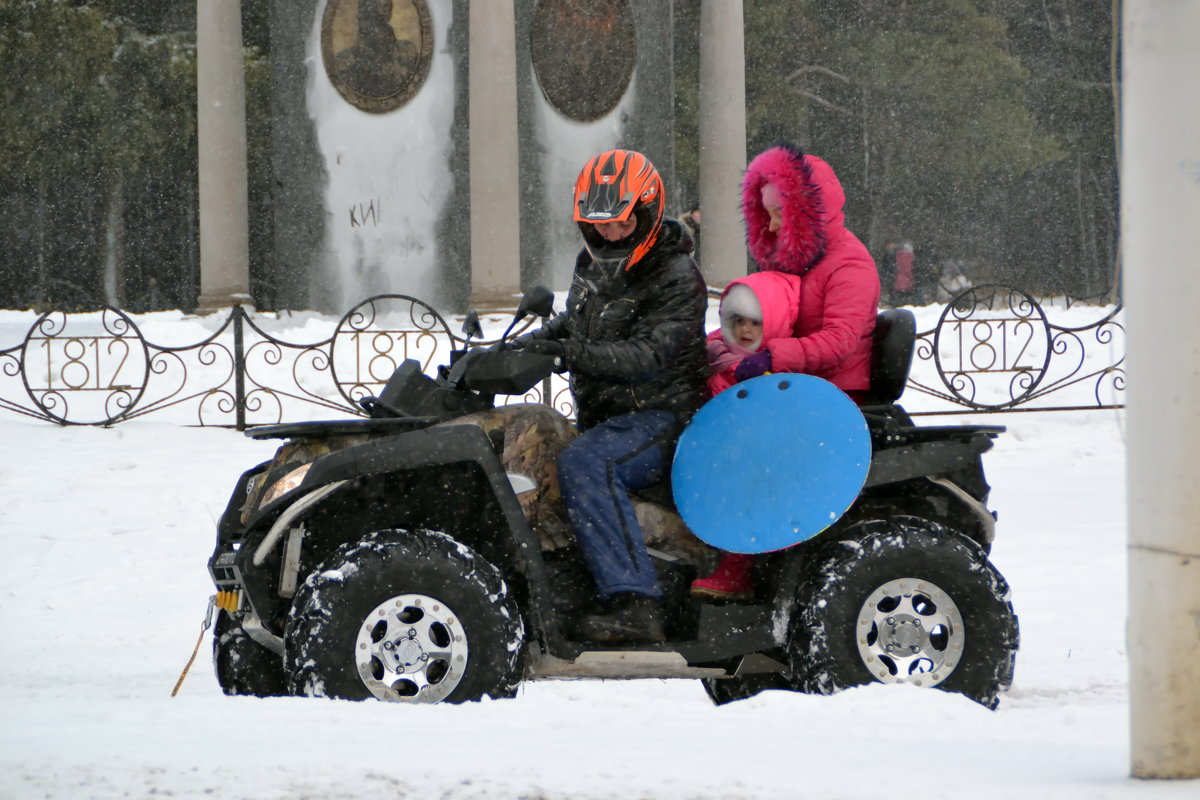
{"x": 754, "y": 311}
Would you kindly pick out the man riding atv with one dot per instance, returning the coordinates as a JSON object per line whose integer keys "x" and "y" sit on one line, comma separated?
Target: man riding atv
{"x": 632, "y": 337}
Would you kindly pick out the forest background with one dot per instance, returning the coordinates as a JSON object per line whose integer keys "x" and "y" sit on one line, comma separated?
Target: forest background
{"x": 983, "y": 131}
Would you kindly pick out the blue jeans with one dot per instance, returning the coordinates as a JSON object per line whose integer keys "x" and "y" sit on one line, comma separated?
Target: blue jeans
{"x": 596, "y": 472}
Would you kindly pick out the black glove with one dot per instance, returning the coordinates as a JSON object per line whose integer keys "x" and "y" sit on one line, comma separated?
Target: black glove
{"x": 549, "y": 347}
{"x": 546, "y": 347}
{"x": 518, "y": 343}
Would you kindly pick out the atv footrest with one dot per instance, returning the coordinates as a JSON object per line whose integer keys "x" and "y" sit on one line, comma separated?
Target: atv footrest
{"x": 729, "y": 630}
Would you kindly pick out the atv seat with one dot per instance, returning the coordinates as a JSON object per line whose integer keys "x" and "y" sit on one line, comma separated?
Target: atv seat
{"x": 891, "y": 355}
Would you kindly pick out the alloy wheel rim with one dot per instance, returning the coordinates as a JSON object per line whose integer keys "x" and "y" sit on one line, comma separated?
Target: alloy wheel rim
{"x": 910, "y": 631}
{"x": 411, "y": 648}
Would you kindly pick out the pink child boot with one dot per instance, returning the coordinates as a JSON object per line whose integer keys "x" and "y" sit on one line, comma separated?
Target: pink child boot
{"x": 732, "y": 580}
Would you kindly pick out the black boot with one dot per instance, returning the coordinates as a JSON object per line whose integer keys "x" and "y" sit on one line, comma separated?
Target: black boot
{"x": 632, "y": 618}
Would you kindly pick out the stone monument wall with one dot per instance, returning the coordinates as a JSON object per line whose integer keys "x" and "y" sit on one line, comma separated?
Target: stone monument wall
{"x": 370, "y": 108}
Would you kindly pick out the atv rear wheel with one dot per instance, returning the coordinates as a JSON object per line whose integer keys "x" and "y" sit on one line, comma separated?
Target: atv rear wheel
{"x": 412, "y": 617}
{"x": 244, "y": 666}
{"x": 909, "y": 601}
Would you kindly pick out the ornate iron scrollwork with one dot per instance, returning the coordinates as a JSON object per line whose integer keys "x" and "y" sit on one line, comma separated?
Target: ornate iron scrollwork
{"x": 82, "y": 370}
{"x": 994, "y": 349}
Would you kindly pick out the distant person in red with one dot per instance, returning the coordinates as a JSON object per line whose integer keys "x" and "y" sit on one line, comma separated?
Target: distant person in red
{"x": 904, "y": 282}
{"x": 792, "y": 206}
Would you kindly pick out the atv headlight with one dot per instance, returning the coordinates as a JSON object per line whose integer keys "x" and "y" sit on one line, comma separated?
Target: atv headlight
{"x": 284, "y": 485}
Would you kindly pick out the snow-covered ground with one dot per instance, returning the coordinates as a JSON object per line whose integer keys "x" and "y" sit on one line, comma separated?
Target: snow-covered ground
{"x": 104, "y": 538}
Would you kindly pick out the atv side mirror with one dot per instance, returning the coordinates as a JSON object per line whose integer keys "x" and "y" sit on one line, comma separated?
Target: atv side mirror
{"x": 538, "y": 301}
{"x": 471, "y": 327}
{"x": 471, "y": 330}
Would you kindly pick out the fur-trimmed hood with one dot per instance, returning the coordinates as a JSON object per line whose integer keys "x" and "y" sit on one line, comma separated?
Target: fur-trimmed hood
{"x": 812, "y": 200}
{"x": 839, "y": 290}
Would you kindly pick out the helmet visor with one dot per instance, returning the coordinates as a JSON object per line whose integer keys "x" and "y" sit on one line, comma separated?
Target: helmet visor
{"x": 603, "y": 248}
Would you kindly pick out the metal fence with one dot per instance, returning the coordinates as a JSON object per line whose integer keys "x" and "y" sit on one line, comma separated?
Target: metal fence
{"x": 993, "y": 349}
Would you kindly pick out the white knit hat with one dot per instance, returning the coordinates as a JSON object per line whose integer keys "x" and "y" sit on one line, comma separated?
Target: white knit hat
{"x": 739, "y": 301}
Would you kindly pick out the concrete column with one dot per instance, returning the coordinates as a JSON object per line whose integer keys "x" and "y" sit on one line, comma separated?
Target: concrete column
{"x": 495, "y": 205}
{"x": 221, "y": 132}
{"x": 297, "y": 168}
{"x": 1160, "y": 207}
{"x": 722, "y": 140}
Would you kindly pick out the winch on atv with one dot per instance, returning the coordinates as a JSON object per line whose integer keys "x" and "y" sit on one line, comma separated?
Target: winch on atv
{"x": 419, "y": 554}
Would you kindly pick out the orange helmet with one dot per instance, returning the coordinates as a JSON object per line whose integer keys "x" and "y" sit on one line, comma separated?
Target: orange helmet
{"x": 611, "y": 187}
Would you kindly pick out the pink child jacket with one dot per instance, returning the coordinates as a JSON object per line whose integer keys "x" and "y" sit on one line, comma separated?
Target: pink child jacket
{"x": 778, "y": 297}
{"x": 839, "y": 294}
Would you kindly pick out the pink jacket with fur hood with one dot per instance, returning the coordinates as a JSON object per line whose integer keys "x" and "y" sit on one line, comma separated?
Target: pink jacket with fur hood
{"x": 775, "y": 296}
{"x": 839, "y": 293}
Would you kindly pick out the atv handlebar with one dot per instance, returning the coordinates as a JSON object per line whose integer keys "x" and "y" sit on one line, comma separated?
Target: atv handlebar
{"x": 467, "y": 385}
{"x": 500, "y": 370}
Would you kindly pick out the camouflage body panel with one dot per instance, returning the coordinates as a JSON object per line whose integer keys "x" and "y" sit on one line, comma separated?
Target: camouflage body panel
{"x": 663, "y": 529}
{"x": 534, "y": 436}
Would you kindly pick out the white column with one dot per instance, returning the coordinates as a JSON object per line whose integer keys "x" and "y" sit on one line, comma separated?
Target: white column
{"x": 722, "y": 140}
{"x": 221, "y": 134}
{"x": 1160, "y": 221}
{"x": 495, "y": 194}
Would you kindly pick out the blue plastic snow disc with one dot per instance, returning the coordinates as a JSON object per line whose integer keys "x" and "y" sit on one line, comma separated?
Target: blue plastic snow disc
{"x": 770, "y": 462}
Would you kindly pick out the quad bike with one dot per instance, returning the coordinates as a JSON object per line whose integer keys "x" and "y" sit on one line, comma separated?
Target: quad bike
{"x": 405, "y": 557}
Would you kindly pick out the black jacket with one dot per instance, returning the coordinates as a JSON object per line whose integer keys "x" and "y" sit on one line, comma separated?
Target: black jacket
{"x": 636, "y": 342}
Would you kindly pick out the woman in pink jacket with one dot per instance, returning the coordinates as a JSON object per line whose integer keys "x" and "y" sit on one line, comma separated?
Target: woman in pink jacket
{"x": 792, "y": 205}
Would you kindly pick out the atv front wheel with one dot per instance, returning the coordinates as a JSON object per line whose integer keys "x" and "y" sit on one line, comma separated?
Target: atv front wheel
{"x": 904, "y": 600}
{"x": 244, "y": 666}
{"x": 412, "y": 617}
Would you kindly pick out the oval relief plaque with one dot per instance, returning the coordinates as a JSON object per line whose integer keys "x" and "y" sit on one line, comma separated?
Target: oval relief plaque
{"x": 583, "y": 54}
{"x": 376, "y": 52}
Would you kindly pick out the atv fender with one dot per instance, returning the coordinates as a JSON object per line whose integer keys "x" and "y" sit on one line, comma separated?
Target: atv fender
{"x": 931, "y": 457}
{"x": 409, "y": 451}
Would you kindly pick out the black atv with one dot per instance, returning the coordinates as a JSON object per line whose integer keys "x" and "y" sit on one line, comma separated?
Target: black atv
{"x": 394, "y": 557}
